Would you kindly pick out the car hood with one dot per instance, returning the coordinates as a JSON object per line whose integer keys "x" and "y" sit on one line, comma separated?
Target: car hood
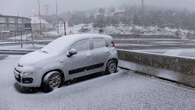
{"x": 35, "y": 58}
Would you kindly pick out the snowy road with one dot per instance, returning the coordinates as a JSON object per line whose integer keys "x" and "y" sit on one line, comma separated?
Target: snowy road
{"x": 120, "y": 91}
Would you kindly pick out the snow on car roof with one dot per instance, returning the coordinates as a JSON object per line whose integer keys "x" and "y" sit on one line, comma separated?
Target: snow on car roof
{"x": 81, "y": 36}
{"x": 65, "y": 41}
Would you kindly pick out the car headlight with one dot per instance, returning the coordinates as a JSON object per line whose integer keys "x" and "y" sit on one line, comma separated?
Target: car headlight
{"x": 26, "y": 73}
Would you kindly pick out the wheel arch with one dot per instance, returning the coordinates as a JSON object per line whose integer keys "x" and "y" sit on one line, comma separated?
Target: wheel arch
{"x": 58, "y": 70}
{"x": 106, "y": 65}
{"x": 115, "y": 59}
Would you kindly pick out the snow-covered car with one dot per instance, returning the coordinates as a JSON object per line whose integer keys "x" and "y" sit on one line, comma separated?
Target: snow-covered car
{"x": 66, "y": 58}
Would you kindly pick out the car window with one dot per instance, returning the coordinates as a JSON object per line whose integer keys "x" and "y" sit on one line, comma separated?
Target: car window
{"x": 99, "y": 42}
{"x": 81, "y": 45}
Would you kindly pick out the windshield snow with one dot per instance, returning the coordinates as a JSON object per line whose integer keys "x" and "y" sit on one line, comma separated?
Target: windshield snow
{"x": 58, "y": 45}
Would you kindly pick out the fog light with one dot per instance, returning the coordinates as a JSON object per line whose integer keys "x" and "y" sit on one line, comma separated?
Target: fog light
{"x": 27, "y": 80}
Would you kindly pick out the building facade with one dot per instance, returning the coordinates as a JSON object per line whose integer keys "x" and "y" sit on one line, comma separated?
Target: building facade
{"x": 10, "y": 25}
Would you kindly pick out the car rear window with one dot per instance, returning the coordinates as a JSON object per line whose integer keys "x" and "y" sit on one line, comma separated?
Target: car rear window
{"x": 99, "y": 43}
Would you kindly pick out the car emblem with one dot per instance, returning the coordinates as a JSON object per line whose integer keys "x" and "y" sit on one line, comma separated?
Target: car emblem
{"x": 19, "y": 65}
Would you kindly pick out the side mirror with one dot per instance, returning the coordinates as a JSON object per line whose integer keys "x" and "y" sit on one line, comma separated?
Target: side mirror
{"x": 71, "y": 52}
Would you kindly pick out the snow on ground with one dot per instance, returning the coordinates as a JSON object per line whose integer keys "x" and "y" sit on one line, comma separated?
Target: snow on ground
{"x": 190, "y": 53}
{"x": 123, "y": 90}
{"x": 53, "y": 34}
{"x": 124, "y": 29}
{"x": 148, "y": 39}
{"x": 128, "y": 45}
{"x": 24, "y": 37}
{"x": 187, "y": 53}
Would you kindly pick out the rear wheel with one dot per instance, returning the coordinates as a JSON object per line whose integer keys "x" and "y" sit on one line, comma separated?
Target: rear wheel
{"x": 52, "y": 81}
{"x": 111, "y": 66}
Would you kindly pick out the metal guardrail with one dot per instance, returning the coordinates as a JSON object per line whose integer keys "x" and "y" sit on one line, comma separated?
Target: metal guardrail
{"x": 178, "y": 69}
{"x": 24, "y": 42}
{"x": 15, "y": 52}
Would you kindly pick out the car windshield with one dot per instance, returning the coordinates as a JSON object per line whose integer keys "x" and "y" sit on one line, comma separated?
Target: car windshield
{"x": 58, "y": 45}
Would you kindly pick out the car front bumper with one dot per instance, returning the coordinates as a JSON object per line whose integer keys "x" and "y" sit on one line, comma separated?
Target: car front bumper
{"x": 25, "y": 80}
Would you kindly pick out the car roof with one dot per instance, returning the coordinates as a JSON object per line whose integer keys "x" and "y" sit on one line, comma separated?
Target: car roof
{"x": 68, "y": 40}
{"x": 76, "y": 37}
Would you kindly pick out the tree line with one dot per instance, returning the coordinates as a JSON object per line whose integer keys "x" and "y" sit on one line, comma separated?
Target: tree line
{"x": 131, "y": 15}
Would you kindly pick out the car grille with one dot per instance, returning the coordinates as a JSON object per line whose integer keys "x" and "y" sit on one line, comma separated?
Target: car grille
{"x": 20, "y": 79}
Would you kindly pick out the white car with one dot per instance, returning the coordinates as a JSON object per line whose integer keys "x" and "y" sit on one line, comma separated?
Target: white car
{"x": 66, "y": 58}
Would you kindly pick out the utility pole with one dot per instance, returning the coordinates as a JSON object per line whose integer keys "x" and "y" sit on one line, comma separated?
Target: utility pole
{"x": 17, "y": 26}
{"x": 57, "y": 23}
{"x": 46, "y": 9}
{"x": 65, "y": 28}
{"x": 142, "y": 5}
{"x": 56, "y": 8}
{"x": 21, "y": 40}
{"x": 143, "y": 11}
{"x": 39, "y": 9}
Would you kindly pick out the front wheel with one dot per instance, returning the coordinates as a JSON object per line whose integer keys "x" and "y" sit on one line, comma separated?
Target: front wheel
{"x": 111, "y": 66}
{"x": 52, "y": 81}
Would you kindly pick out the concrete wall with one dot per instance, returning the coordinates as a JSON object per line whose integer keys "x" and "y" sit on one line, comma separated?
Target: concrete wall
{"x": 121, "y": 36}
{"x": 169, "y": 67}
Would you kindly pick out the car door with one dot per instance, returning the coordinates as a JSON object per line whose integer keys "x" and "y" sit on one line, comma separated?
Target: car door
{"x": 79, "y": 62}
{"x": 99, "y": 53}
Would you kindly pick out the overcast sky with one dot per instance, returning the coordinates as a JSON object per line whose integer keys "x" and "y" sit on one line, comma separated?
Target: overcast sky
{"x": 28, "y": 7}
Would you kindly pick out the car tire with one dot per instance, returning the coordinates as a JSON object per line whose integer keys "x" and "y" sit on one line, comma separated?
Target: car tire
{"x": 51, "y": 81}
{"x": 111, "y": 67}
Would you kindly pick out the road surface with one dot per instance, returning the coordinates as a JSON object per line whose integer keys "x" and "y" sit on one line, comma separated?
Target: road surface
{"x": 124, "y": 90}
